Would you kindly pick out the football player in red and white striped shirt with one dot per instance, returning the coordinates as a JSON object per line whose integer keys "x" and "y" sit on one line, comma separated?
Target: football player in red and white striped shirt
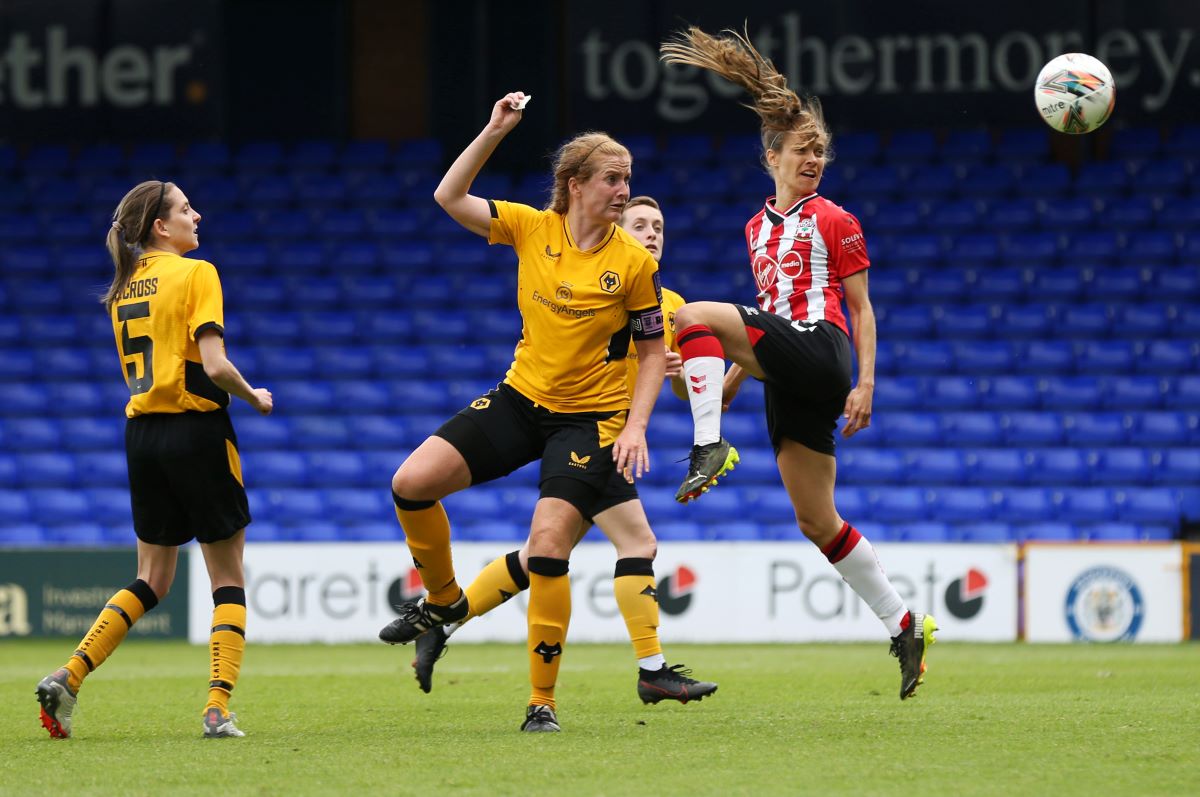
{"x": 807, "y": 254}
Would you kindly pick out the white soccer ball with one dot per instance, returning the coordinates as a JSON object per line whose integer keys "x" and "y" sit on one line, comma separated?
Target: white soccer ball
{"x": 1075, "y": 93}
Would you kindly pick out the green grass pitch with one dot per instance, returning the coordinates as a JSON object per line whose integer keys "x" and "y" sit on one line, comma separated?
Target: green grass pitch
{"x": 788, "y": 719}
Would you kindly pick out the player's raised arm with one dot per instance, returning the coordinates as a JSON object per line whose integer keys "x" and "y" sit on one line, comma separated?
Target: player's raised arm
{"x": 453, "y": 192}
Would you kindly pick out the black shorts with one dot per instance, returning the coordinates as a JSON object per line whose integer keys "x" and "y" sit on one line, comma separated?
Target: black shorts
{"x": 185, "y": 477}
{"x": 503, "y": 430}
{"x": 807, "y": 369}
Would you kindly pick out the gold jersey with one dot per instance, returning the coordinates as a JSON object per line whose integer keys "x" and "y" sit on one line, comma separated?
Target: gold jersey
{"x": 671, "y": 302}
{"x": 168, "y": 302}
{"x": 579, "y": 309}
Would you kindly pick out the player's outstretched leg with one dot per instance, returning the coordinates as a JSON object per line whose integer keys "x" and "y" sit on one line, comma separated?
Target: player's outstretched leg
{"x": 706, "y": 464}
{"x": 910, "y": 647}
{"x": 58, "y": 703}
{"x": 671, "y": 683}
{"x": 417, "y": 617}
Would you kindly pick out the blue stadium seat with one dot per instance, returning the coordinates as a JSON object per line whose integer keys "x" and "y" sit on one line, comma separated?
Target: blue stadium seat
{"x": 336, "y": 468}
{"x": 1120, "y": 466}
{"x": 907, "y": 428}
{"x": 1070, "y": 392}
{"x": 1089, "y": 321}
{"x": 275, "y": 468}
{"x": 46, "y": 469}
{"x": 306, "y": 395}
{"x": 1013, "y": 215}
{"x": 258, "y": 433}
{"x": 319, "y": 292}
{"x": 1151, "y": 505}
{"x": 102, "y": 468}
{"x": 1100, "y": 428}
{"x": 1037, "y": 249}
{"x": 475, "y": 504}
{"x": 109, "y": 505}
{"x": 769, "y": 507}
{"x": 922, "y": 531}
{"x": 1168, "y": 357}
{"x": 956, "y": 322}
{"x": 287, "y": 506}
{"x": 1186, "y": 393}
{"x": 1059, "y": 466}
{"x": 1179, "y": 284}
{"x": 22, "y": 398}
{"x": 1102, "y": 177}
{"x": 1092, "y": 248}
{"x": 1135, "y": 143}
{"x": 329, "y": 327}
{"x": 967, "y": 145}
{"x": 972, "y": 428}
{"x": 349, "y": 505}
{"x": 1180, "y": 466}
{"x": 87, "y": 434}
{"x": 1061, "y": 284}
{"x": 935, "y": 183}
{"x": 1067, "y": 213}
{"x": 992, "y": 466}
{"x": 954, "y": 217}
{"x": 1142, "y": 321}
{"x": 1047, "y": 532}
{"x": 491, "y": 531}
{"x": 1026, "y": 504}
{"x": 321, "y": 431}
{"x": 1005, "y": 284}
{"x": 898, "y": 504}
{"x": 1152, "y": 247}
{"x": 1165, "y": 428}
{"x": 1025, "y": 321}
{"x": 81, "y": 534}
{"x": 53, "y": 505}
{"x": 1182, "y": 213}
{"x": 973, "y": 249}
{"x": 924, "y": 357}
{"x": 965, "y": 504}
{"x": 989, "y": 180}
{"x": 1009, "y": 392}
{"x": 895, "y": 392}
{"x": 1087, "y": 504}
{"x": 1113, "y": 532}
{"x": 1030, "y": 144}
{"x": 954, "y": 392}
{"x": 871, "y": 465}
{"x": 16, "y": 506}
{"x": 1186, "y": 323}
{"x": 362, "y": 396}
{"x": 1134, "y": 212}
{"x": 1134, "y": 392}
{"x": 29, "y": 434}
{"x": 1048, "y": 357}
{"x": 945, "y": 287}
{"x": 348, "y": 362}
{"x": 991, "y": 532}
{"x": 21, "y": 535}
{"x": 980, "y": 357}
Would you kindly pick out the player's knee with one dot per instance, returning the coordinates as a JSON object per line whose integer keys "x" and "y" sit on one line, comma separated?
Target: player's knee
{"x": 408, "y": 486}
{"x": 160, "y": 584}
{"x": 818, "y": 530}
{"x": 686, "y": 316}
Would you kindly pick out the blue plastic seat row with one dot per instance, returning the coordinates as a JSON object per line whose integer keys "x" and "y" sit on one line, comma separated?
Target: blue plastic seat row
{"x": 1008, "y": 392}
{"x": 1017, "y": 466}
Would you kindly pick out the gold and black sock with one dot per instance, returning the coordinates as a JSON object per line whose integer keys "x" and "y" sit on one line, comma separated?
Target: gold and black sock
{"x": 498, "y": 581}
{"x": 226, "y": 645}
{"x": 637, "y": 598}
{"x": 427, "y": 530}
{"x": 549, "y": 615}
{"x": 116, "y": 618}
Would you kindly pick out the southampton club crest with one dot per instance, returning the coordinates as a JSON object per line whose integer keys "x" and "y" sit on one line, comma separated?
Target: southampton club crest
{"x": 1104, "y": 604}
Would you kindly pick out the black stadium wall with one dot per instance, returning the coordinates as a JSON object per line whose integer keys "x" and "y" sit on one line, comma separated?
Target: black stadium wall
{"x": 115, "y": 70}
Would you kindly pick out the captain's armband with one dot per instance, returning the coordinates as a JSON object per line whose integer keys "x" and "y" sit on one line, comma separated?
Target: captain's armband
{"x": 647, "y": 324}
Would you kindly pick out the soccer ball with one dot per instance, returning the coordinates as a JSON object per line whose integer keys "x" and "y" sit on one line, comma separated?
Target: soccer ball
{"x": 1074, "y": 93}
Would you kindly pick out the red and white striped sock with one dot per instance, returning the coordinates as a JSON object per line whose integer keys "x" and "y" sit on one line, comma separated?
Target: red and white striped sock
{"x": 704, "y": 374}
{"x": 854, "y": 557}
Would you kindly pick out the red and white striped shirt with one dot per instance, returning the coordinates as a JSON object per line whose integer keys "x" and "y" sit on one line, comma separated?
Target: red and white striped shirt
{"x": 801, "y": 255}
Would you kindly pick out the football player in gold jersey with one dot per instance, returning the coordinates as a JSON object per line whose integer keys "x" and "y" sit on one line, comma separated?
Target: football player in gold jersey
{"x": 185, "y": 475}
{"x": 624, "y": 524}
{"x": 585, "y": 287}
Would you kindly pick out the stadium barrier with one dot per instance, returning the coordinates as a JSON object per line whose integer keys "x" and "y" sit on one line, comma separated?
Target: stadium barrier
{"x": 708, "y": 592}
{"x": 58, "y": 592}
